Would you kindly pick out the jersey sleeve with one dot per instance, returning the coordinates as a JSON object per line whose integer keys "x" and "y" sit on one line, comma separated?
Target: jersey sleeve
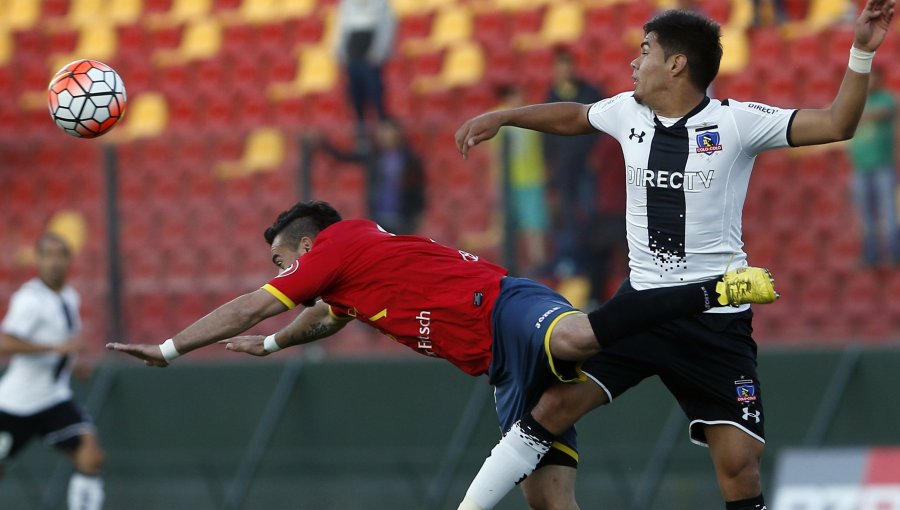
{"x": 761, "y": 127}
{"x": 308, "y": 277}
{"x": 23, "y": 317}
{"x": 605, "y": 114}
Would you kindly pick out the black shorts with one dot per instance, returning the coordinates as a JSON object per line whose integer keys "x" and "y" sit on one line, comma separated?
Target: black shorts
{"x": 707, "y": 361}
{"x": 60, "y": 426}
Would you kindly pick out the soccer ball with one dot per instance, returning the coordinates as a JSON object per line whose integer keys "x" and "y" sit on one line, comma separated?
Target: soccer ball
{"x": 86, "y": 98}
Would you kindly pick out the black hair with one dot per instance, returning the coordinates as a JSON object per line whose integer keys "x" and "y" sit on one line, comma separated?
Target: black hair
{"x": 693, "y": 35}
{"x": 305, "y": 219}
{"x": 52, "y": 237}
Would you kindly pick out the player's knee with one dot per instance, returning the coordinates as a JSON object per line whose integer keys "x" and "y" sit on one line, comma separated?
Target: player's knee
{"x": 573, "y": 339}
{"x": 89, "y": 459}
{"x": 739, "y": 475}
{"x": 545, "y": 501}
{"x": 561, "y": 405}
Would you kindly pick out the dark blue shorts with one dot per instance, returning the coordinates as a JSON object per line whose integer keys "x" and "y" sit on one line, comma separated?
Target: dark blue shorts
{"x": 523, "y": 317}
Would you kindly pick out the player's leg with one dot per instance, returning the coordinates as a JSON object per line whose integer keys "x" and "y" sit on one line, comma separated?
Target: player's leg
{"x": 69, "y": 428}
{"x": 15, "y": 433}
{"x": 736, "y": 457}
{"x": 551, "y": 487}
{"x": 577, "y": 337}
{"x": 86, "y": 490}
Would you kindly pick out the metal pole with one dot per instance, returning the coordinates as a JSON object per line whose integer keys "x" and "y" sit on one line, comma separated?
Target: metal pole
{"x": 240, "y": 485}
{"x": 831, "y": 398}
{"x": 462, "y": 436}
{"x": 656, "y": 467}
{"x": 111, "y": 170}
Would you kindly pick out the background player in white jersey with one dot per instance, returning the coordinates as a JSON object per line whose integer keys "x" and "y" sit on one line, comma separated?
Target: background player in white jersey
{"x": 688, "y": 160}
{"x": 41, "y": 331}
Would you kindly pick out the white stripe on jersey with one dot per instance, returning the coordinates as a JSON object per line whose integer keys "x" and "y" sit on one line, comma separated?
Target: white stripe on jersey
{"x": 686, "y": 183}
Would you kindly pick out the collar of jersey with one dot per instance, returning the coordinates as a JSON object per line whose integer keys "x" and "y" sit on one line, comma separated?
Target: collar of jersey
{"x": 682, "y": 121}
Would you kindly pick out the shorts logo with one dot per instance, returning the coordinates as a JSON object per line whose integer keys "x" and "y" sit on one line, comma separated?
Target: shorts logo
{"x": 545, "y": 315}
{"x": 748, "y": 415}
{"x": 746, "y": 391}
{"x": 708, "y": 142}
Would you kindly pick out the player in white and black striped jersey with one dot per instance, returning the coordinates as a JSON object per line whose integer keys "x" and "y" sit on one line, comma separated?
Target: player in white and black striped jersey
{"x": 688, "y": 160}
{"x": 41, "y": 332}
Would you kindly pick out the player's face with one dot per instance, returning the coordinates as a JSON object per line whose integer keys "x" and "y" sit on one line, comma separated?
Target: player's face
{"x": 649, "y": 70}
{"x": 284, "y": 254}
{"x": 53, "y": 261}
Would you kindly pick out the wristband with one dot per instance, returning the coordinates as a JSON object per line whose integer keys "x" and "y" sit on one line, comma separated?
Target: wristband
{"x": 860, "y": 60}
{"x": 168, "y": 350}
{"x": 269, "y": 344}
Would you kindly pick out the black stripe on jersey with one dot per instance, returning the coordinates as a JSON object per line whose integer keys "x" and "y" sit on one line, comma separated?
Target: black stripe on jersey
{"x": 666, "y": 205}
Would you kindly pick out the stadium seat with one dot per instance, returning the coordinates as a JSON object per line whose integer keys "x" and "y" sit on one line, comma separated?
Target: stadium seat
{"x": 181, "y": 11}
{"x": 317, "y": 72}
{"x": 463, "y": 66}
{"x": 562, "y": 23}
{"x": 201, "y": 39}
{"x": 148, "y": 116}
{"x": 736, "y": 51}
{"x": 451, "y": 25}
{"x": 264, "y": 152}
{"x": 20, "y": 15}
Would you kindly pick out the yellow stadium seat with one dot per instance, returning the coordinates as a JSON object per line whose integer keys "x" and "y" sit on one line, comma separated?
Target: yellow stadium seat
{"x": 97, "y": 40}
{"x": 317, "y": 71}
{"x": 71, "y": 226}
{"x": 83, "y": 12}
{"x": 824, "y": 13}
{"x": 19, "y": 14}
{"x": 6, "y": 45}
{"x": 263, "y": 152}
{"x": 412, "y": 7}
{"x": 259, "y": 11}
{"x": 297, "y": 8}
{"x": 518, "y": 5}
{"x": 451, "y": 25}
{"x": 181, "y": 11}
{"x": 736, "y": 50}
{"x": 563, "y": 23}
{"x": 201, "y": 39}
{"x": 463, "y": 65}
{"x": 741, "y": 13}
{"x": 125, "y": 12}
{"x": 146, "y": 117}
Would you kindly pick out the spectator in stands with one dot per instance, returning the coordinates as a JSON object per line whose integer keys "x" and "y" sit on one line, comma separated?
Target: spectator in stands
{"x": 875, "y": 174}
{"x": 520, "y": 156}
{"x": 769, "y": 12}
{"x": 572, "y": 184}
{"x": 41, "y": 332}
{"x": 441, "y": 302}
{"x": 395, "y": 176}
{"x": 365, "y": 39}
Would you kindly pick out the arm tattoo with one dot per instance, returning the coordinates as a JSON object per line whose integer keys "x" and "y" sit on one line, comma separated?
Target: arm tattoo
{"x": 316, "y": 331}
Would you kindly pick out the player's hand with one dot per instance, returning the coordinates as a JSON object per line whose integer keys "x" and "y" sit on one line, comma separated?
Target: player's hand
{"x": 251, "y": 344}
{"x": 476, "y": 130}
{"x": 150, "y": 353}
{"x": 873, "y": 24}
{"x": 73, "y": 346}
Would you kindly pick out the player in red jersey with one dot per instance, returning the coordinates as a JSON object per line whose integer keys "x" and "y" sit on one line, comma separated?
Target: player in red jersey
{"x": 440, "y": 302}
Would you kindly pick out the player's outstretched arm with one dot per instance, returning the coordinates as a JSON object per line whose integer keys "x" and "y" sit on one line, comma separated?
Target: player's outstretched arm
{"x": 555, "y": 118}
{"x": 311, "y": 324}
{"x": 839, "y": 121}
{"x": 226, "y": 321}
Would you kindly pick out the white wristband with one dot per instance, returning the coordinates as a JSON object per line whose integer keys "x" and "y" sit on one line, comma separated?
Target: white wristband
{"x": 168, "y": 350}
{"x": 860, "y": 60}
{"x": 269, "y": 344}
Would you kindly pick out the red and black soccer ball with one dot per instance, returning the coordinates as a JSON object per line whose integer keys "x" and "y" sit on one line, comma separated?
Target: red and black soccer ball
{"x": 86, "y": 98}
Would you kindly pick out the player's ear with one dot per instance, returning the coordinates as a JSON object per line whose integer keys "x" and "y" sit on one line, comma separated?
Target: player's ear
{"x": 678, "y": 64}
{"x": 305, "y": 244}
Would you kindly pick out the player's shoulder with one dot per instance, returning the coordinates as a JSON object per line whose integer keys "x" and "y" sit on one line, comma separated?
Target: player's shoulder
{"x": 621, "y": 100}
{"x": 754, "y": 108}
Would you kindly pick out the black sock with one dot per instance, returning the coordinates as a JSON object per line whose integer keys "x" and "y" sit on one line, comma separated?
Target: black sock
{"x": 757, "y": 503}
{"x": 632, "y": 312}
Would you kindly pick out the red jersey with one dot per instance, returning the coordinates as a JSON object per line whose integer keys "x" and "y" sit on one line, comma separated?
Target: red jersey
{"x": 434, "y": 299}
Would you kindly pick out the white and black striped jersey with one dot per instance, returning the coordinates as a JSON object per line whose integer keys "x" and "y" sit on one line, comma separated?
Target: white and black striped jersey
{"x": 687, "y": 180}
{"x": 38, "y": 314}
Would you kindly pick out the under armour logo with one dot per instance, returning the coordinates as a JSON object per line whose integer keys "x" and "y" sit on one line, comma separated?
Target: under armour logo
{"x": 748, "y": 415}
{"x": 640, "y": 137}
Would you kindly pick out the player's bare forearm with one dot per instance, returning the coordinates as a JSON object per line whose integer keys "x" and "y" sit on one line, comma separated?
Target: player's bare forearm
{"x": 313, "y": 323}
{"x": 14, "y": 345}
{"x": 554, "y": 118}
{"x": 838, "y": 122}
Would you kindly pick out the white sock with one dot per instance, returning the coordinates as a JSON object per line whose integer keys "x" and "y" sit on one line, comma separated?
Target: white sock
{"x": 513, "y": 459}
{"x": 86, "y": 492}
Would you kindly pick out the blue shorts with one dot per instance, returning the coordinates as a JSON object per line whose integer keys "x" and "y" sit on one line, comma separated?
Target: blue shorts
{"x": 523, "y": 317}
